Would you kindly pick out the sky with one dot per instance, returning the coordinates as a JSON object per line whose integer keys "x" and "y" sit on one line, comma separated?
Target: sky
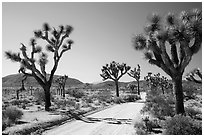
{"x": 102, "y": 33}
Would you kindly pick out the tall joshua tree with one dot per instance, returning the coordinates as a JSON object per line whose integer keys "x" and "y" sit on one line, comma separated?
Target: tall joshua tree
{"x": 56, "y": 45}
{"x": 183, "y": 36}
{"x": 136, "y": 75}
{"x": 195, "y": 76}
{"x": 114, "y": 71}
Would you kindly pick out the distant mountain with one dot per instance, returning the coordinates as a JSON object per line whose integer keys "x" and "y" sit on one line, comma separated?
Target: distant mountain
{"x": 15, "y": 81}
{"x": 111, "y": 84}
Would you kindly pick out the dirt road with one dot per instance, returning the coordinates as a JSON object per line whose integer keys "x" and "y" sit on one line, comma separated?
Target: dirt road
{"x": 117, "y": 120}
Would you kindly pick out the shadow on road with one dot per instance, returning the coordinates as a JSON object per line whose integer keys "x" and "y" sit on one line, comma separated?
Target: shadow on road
{"x": 111, "y": 120}
{"x": 106, "y": 120}
{"x": 94, "y": 120}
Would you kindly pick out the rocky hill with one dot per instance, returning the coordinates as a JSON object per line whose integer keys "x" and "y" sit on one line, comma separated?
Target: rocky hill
{"x": 15, "y": 81}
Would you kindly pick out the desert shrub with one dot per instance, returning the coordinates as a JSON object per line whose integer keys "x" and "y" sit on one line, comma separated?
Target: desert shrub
{"x": 77, "y": 93}
{"x": 192, "y": 112}
{"x": 160, "y": 106}
{"x": 104, "y": 96}
{"x": 17, "y": 102}
{"x": 189, "y": 92}
{"x": 182, "y": 125}
{"x": 62, "y": 103}
{"x": 12, "y": 113}
{"x": 131, "y": 98}
{"x": 70, "y": 102}
{"x": 25, "y": 101}
{"x": 6, "y": 122}
{"x": 24, "y": 106}
{"x": 154, "y": 123}
{"x": 140, "y": 131}
{"x": 140, "y": 128}
{"x": 118, "y": 100}
{"x": 89, "y": 99}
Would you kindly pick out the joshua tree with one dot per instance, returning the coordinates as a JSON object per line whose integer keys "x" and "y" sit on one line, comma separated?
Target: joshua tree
{"x": 156, "y": 81}
{"x": 61, "y": 84}
{"x": 184, "y": 37}
{"x": 114, "y": 71}
{"x": 22, "y": 88}
{"x": 56, "y": 45}
{"x": 136, "y": 75}
{"x": 194, "y": 75}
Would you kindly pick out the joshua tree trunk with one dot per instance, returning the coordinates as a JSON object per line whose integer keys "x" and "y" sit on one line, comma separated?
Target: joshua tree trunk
{"x": 117, "y": 89}
{"x": 177, "y": 87}
{"x": 63, "y": 89}
{"x": 17, "y": 94}
{"x": 47, "y": 98}
{"x": 162, "y": 89}
{"x": 60, "y": 91}
{"x": 138, "y": 87}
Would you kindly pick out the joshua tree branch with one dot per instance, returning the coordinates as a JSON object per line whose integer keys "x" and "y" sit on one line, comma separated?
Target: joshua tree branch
{"x": 62, "y": 39}
{"x": 165, "y": 56}
{"x": 122, "y": 73}
{"x": 188, "y": 55}
{"x": 195, "y": 80}
{"x": 53, "y": 71}
{"x": 174, "y": 55}
{"x": 47, "y": 39}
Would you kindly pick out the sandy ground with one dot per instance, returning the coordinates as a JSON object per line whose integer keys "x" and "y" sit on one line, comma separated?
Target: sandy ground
{"x": 117, "y": 120}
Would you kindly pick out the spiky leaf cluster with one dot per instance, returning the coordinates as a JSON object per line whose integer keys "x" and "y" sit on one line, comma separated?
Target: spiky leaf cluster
{"x": 114, "y": 71}
{"x": 182, "y": 34}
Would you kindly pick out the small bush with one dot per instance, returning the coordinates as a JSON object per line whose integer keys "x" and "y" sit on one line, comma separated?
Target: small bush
{"x": 76, "y": 93}
{"x": 131, "y": 98}
{"x": 13, "y": 114}
{"x": 89, "y": 100}
{"x": 6, "y": 122}
{"x": 160, "y": 106}
{"x": 153, "y": 123}
{"x": 140, "y": 128}
{"x": 104, "y": 96}
{"x": 192, "y": 112}
{"x": 118, "y": 100}
{"x": 25, "y": 101}
{"x": 182, "y": 125}
{"x": 15, "y": 102}
{"x": 189, "y": 92}
{"x": 62, "y": 103}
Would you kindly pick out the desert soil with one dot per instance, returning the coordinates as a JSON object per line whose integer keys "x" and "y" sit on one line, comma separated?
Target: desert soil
{"x": 117, "y": 120}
